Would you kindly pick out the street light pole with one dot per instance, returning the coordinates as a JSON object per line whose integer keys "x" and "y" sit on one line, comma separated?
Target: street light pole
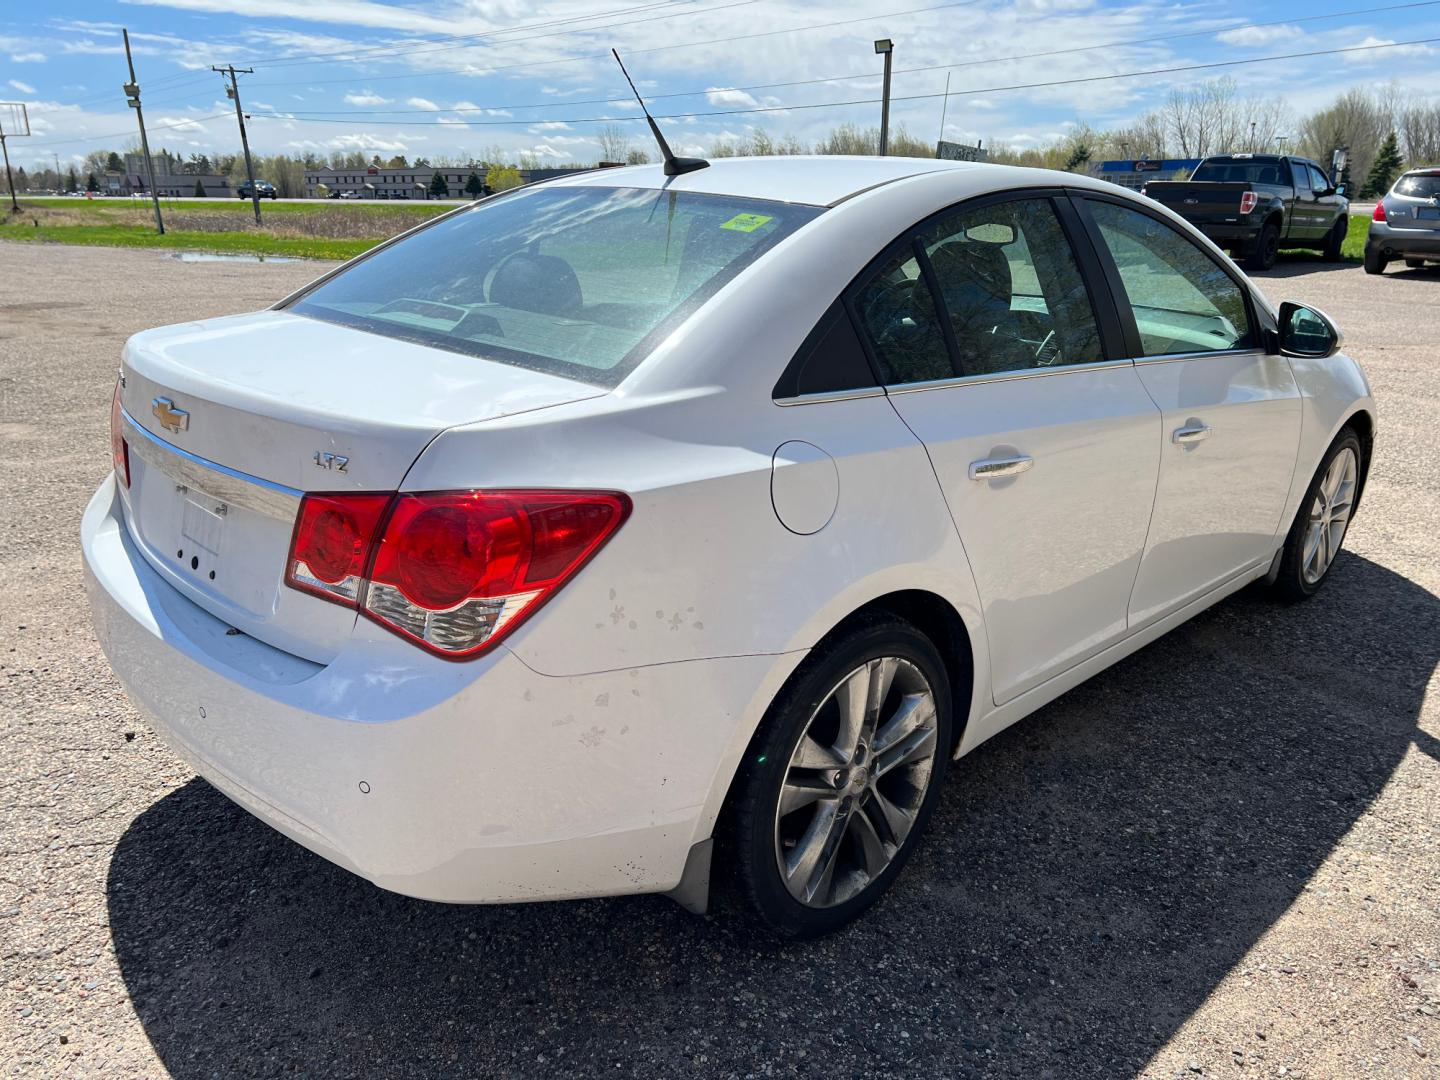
{"x": 885, "y": 47}
{"x": 132, "y": 91}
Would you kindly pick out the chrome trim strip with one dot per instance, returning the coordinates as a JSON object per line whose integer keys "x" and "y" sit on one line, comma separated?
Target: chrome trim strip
{"x": 1172, "y": 358}
{"x": 1005, "y": 376}
{"x": 831, "y": 395}
{"x": 218, "y": 481}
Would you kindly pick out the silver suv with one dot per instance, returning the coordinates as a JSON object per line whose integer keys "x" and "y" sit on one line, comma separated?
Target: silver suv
{"x": 1406, "y": 222}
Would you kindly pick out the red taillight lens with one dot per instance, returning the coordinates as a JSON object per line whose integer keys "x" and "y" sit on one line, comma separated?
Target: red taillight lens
{"x": 1379, "y": 214}
{"x": 332, "y": 542}
{"x": 452, "y": 572}
{"x": 1248, "y": 199}
{"x": 119, "y": 448}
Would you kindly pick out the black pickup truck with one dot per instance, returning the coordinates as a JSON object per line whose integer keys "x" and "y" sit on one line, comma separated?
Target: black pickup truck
{"x": 1255, "y": 204}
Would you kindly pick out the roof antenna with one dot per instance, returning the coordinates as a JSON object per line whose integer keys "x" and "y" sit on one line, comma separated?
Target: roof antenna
{"x": 674, "y": 166}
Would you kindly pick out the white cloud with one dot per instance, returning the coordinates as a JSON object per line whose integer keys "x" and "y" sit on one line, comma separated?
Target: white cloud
{"x": 549, "y": 125}
{"x": 368, "y": 144}
{"x": 28, "y": 58}
{"x": 1380, "y": 54}
{"x": 365, "y": 97}
{"x": 1253, "y": 36}
{"x": 422, "y": 103}
{"x": 24, "y": 88}
{"x": 733, "y": 98}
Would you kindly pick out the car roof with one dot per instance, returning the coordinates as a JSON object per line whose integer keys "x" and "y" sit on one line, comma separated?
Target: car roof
{"x": 817, "y": 180}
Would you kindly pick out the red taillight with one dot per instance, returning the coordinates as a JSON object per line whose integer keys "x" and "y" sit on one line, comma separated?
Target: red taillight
{"x": 1379, "y": 214}
{"x": 119, "y": 448}
{"x": 452, "y": 572}
{"x": 1248, "y": 199}
{"x": 331, "y": 544}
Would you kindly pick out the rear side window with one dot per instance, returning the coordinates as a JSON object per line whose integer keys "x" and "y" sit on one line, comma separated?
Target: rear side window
{"x": 897, "y": 314}
{"x": 1011, "y": 288}
{"x": 1182, "y": 300}
{"x": 578, "y": 281}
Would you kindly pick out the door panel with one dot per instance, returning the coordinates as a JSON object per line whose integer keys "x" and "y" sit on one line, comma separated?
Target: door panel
{"x": 1046, "y": 453}
{"x": 1231, "y": 413}
{"x": 1055, "y": 548}
{"x": 1219, "y": 497}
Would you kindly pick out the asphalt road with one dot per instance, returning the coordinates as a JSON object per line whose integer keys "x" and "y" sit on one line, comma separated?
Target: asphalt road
{"x": 1219, "y": 857}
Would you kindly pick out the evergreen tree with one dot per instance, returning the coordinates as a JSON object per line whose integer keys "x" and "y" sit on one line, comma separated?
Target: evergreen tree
{"x": 1382, "y": 173}
{"x": 200, "y": 189}
{"x": 91, "y": 184}
{"x": 113, "y": 163}
{"x": 438, "y": 188}
{"x": 473, "y": 186}
{"x": 72, "y": 182}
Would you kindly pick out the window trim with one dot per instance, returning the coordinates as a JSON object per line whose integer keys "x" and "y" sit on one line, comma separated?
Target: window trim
{"x": 1133, "y": 344}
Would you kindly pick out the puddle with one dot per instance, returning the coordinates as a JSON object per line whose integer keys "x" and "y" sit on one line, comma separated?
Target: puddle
{"x": 208, "y": 256}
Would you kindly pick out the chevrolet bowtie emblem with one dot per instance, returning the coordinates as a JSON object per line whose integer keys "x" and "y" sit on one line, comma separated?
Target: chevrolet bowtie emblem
{"x": 164, "y": 410}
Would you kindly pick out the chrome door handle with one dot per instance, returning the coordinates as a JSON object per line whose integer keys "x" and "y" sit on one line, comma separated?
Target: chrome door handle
{"x": 1185, "y": 436}
{"x": 1000, "y": 467}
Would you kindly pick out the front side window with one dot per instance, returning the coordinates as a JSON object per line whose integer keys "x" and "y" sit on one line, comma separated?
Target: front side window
{"x": 897, "y": 314}
{"x": 1011, "y": 288}
{"x": 578, "y": 281}
{"x": 1182, "y": 299}
{"x": 1301, "y": 176}
{"x": 1318, "y": 180}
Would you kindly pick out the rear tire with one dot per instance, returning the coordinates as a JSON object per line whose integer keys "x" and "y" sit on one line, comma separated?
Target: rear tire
{"x": 853, "y": 818}
{"x": 1314, "y": 540}
{"x": 1266, "y": 248}
{"x": 1415, "y": 264}
{"x": 1375, "y": 262}
{"x": 1335, "y": 242}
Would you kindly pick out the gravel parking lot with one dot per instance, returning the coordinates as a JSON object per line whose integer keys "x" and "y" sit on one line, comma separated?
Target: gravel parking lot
{"x": 1220, "y": 858}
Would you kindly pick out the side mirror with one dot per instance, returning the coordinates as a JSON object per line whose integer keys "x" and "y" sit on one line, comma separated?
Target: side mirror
{"x": 1307, "y": 332}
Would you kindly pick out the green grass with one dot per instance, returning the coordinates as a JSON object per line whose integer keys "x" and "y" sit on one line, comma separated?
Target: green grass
{"x": 323, "y": 229}
{"x": 1353, "y": 249}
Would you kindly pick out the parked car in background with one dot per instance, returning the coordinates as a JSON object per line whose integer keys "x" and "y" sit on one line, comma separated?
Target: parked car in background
{"x": 262, "y": 188}
{"x": 1406, "y": 222}
{"x": 1255, "y": 204}
{"x": 659, "y": 515}
{"x": 347, "y": 195}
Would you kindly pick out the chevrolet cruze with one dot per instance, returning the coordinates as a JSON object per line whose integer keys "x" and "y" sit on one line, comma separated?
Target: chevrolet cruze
{"x": 629, "y": 527}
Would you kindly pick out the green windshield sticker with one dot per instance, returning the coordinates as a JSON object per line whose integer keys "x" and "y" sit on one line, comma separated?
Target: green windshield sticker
{"x": 747, "y": 222}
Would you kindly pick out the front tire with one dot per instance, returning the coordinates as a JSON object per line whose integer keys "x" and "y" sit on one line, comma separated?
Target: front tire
{"x": 1323, "y": 519}
{"x": 1335, "y": 241}
{"x": 841, "y": 779}
{"x": 1266, "y": 248}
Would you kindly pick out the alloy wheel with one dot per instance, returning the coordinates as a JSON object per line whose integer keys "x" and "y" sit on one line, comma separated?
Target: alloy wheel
{"x": 1329, "y": 516}
{"x": 856, "y": 782}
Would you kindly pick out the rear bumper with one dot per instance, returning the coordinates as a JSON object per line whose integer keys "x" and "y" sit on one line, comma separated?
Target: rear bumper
{"x": 1398, "y": 243}
{"x": 467, "y": 783}
{"x": 1229, "y": 235}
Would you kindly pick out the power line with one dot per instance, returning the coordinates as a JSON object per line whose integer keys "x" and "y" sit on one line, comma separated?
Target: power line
{"x": 296, "y": 117}
{"x": 473, "y": 70}
{"x": 872, "y": 75}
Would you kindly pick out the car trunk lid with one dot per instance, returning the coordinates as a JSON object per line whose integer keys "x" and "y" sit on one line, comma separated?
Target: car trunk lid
{"x": 230, "y": 421}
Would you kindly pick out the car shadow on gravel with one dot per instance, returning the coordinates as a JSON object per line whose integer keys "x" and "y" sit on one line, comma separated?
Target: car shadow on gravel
{"x": 1090, "y": 876}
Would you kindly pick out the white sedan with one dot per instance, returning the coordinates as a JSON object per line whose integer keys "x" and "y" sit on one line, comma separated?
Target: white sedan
{"x": 627, "y": 519}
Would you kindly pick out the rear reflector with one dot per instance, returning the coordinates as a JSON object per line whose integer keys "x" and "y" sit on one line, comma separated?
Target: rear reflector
{"x": 119, "y": 448}
{"x": 1248, "y": 199}
{"x": 452, "y": 572}
{"x": 1379, "y": 214}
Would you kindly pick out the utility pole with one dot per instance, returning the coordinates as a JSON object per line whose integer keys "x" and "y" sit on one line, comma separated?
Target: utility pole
{"x": 1251, "y": 147}
{"x": 233, "y": 91}
{"x": 132, "y": 93}
{"x": 885, "y": 47}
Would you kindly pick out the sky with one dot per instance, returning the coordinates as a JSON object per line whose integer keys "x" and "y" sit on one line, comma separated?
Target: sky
{"x": 457, "y": 77}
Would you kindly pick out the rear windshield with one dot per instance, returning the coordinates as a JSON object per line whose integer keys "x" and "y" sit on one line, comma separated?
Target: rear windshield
{"x": 576, "y": 281}
{"x": 1240, "y": 172}
{"x": 1419, "y": 186}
